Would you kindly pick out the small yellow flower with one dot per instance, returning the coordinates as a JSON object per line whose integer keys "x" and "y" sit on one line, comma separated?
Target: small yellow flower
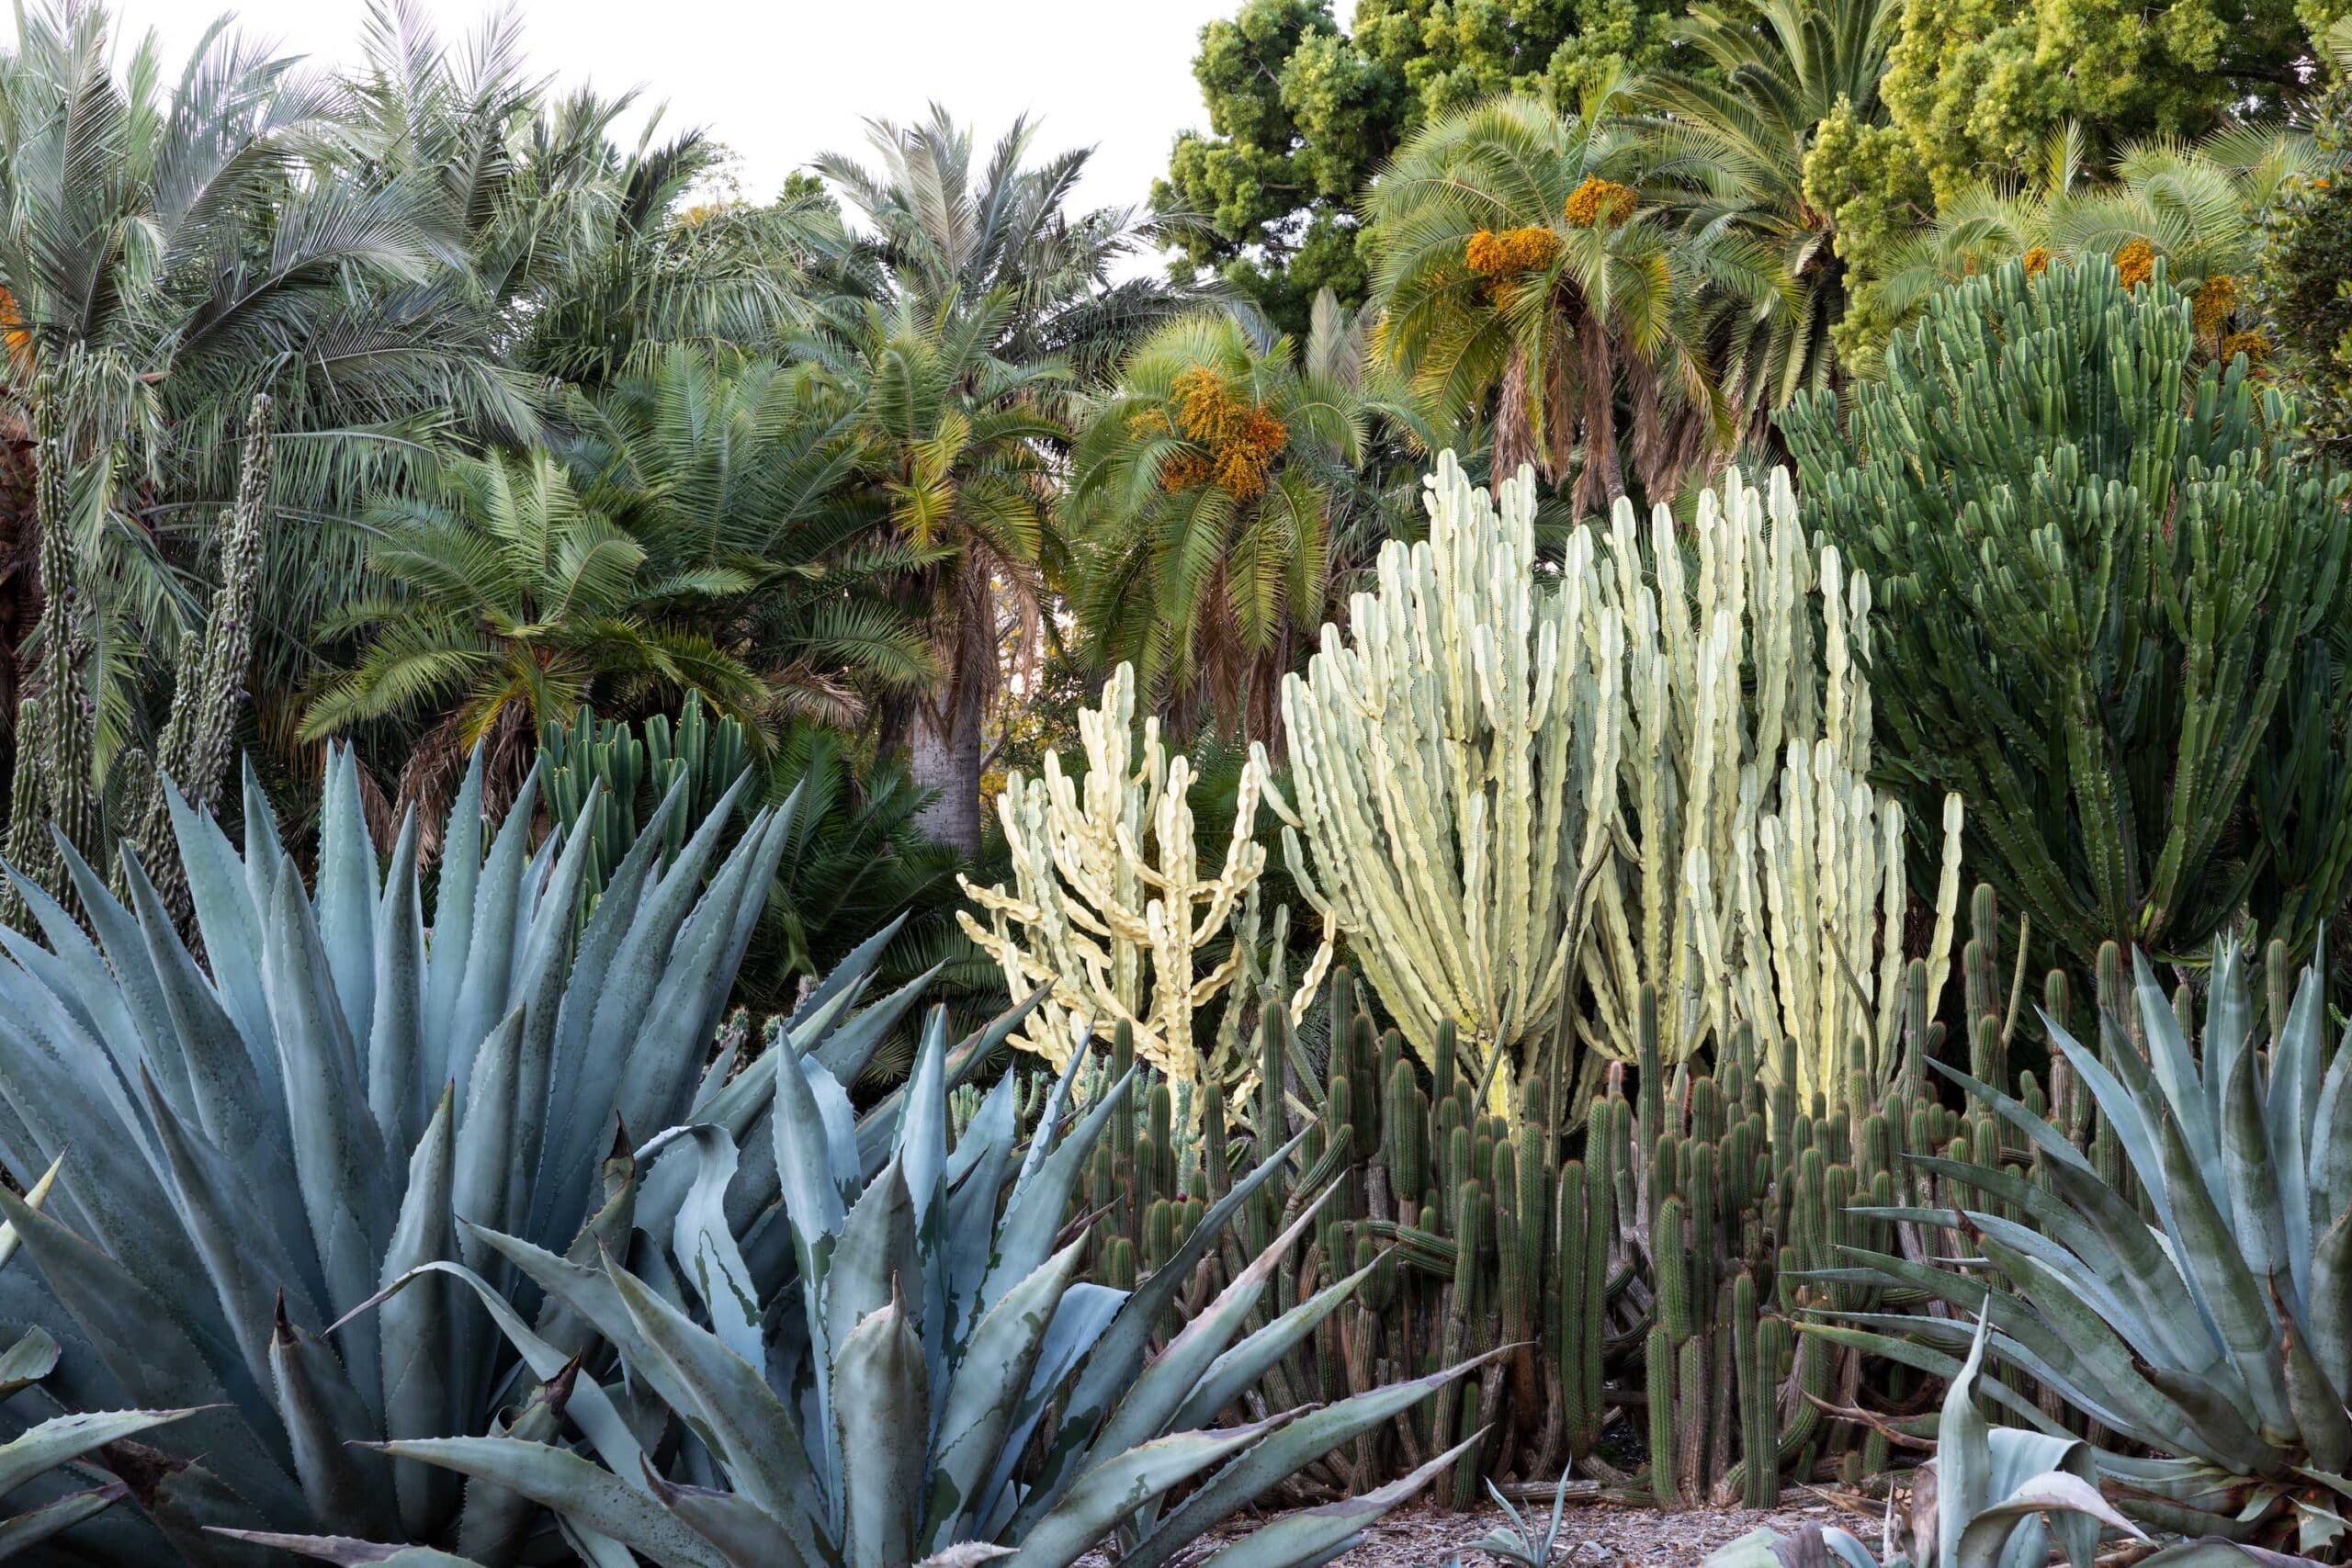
{"x": 2037, "y": 261}
{"x": 1600, "y": 204}
{"x": 2136, "y": 263}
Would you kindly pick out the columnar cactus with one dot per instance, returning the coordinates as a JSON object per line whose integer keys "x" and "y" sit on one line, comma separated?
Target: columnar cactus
{"x": 55, "y": 781}
{"x": 1451, "y": 757}
{"x": 1767, "y": 875}
{"x": 1109, "y": 904}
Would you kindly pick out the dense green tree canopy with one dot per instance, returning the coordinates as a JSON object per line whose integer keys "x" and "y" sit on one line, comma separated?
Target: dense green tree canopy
{"x": 1303, "y": 112}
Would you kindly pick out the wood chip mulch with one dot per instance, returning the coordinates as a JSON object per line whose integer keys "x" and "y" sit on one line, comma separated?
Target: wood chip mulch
{"x": 1594, "y": 1535}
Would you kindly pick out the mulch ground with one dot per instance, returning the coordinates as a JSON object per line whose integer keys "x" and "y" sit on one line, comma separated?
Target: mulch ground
{"x": 1592, "y": 1535}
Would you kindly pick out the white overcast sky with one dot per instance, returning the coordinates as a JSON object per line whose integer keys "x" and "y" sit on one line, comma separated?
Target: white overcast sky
{"x": 781, "y": 83}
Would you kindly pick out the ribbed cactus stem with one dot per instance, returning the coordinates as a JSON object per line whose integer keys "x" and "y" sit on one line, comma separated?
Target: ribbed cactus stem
{"x": 1660, "y": 1365}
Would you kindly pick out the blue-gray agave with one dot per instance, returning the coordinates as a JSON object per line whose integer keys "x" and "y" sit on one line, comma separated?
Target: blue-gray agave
{"x": 40, "y": 1447}
{"x": 1994, "y": 1497}
{"x": 861, "y": 1326}
{"x": 264, "y": 1137}
{"x": 2221, "y": 1332}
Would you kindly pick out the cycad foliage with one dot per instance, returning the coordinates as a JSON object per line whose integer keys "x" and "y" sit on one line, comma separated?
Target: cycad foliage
{"x": 1199, "y": 579}
{"x": 510, "y": 600}
{"x": 1732, "y": 134}
{"x": 1586, "y": 360}
{"x": 715, "y": 459}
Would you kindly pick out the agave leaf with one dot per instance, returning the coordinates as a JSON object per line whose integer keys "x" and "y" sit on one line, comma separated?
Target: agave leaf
{"x": 323, "y": 1413}
{"x": 884, "y": 1410}
{"x": 347, "y": 1552}
{"x": 587, "y": 1403}
{"x": 240, "y": 1114}
{"x": 458, "y": 880}
{"x": 1112, "y": 1491}
{"x": 134, "y": 981}
{"x": 22, "y": 1532}
{"x": 705, "y": 1248}
{"x": 144, "y": 1344}
{"x": 1986, "y": 1536}
{"x": 1307, "y": 1535}
{"x": 1040, "y": 1202}
{"x": 2330, "y": 1324}
{"x": 998, "y": 1361}
{"x": 1148, "y": 1402}
{"x": 1298, "y": 1444}
{"x": 1084, "y": 1312}
{"x": 875, "y": 1255}
{"x": 245, "y": 1263}
{"x": 32, "y": 1358}
{"x": 2318, "y": 1406}
{"x": 65, "y": 1437}
{"x": 347, "y": 893}
{"x": 493, "y": 1523}
{"x": 485, "y": 994}
{"x": 229, "y": 923}
{"x": 2252, "y": 1184}
{"x": 2175, "y": 1069}
{"x": 556, "y": 1478}
{"x": 398, "y": 1093}
{"x": 420, "y": 1333}
{"x": 2214, "y": 1552}
{"x": 845, "y": 1051}
{"x": 2289, "y": 1110}
{"x": 2330, "y": 1142}
{"x": 731, "y": 1407}
{"x": 482, "y": 1187}
{"x": 658, "y": 1075}
{"x": 2209, "y": 1257}
{"x": 1964, "y": 1452}
{"x": 1241, "y": 1368}
{"x": 339, "y": 1160}
{"x": 738, "y": 1528}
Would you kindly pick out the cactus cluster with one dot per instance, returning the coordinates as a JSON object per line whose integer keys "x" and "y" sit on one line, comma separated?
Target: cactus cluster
{"x": 609, "y": 777}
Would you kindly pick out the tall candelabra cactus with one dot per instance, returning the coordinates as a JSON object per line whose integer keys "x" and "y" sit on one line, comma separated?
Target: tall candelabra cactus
{"x": 1110, "y": 904}
{"x": 1451, "y": 758}
{"x": 1765, "y": 878}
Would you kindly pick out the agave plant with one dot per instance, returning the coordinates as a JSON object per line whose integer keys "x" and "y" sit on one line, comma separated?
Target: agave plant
{"x": 34, "y": 1461}
{"x": 858, "y": 1371}
{"x": 263, "y": 1138}
{"x": 1992, "y": 1497}
{"x": 2214, "y": 1327}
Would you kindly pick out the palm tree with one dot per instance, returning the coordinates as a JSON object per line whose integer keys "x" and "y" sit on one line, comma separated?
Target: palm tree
{"x": 1214, "y": 490}
{"x": 944, "y": 226}
{"x": 578, "y": 251}
{"x": 170, "y": 251}
{"x": 510, "y": 601}
{"x": 1520, "y": 272}
{"x": 2199, "y": 205}
{"x": 994, "y": 302}
{"x": 958, "y": 444}
{"x": 1730, "y": 141}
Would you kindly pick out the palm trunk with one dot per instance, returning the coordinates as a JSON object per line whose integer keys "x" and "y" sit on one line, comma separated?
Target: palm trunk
{"x": 944, "y": 742}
